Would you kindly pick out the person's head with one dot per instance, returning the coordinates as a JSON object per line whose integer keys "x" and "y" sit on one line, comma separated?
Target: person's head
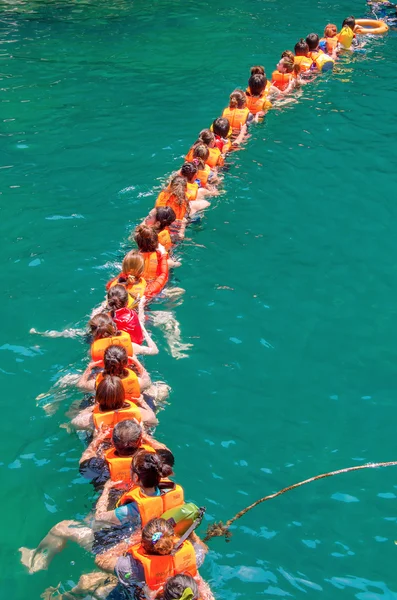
{"x": 258, "y": 70}
{"x": 237, "y": 99}
{"x": 200, "y": 155}
{"x": 189, "y": 171}
{"x": 102, "y": 326}
{"x": 158, "y": 537}
{"x": 146, "y": 238}
{"x": 162, "y": 217}
{"x": 287, "y": 65}
{"x": 257, "y": 84}
{"x": 312, "y": 41}
{"x": 301, "y": 48}
{"x": 330, "y": 31}
{"x": 147, "y": 469}
{"x": 117, "y": 298}
{"x": 115, "y": 360}
{"x": 178, "y": 187}
{"x": 110, "y": 394}
{"x": 288, "y": 54}
{"x": 349, "y": 22}
{"x": 133, "y": 264}
{"x": 221, "y": 127}
{"x": 127, "y": 436}
{"x": 206, "y": 137}
{"x": 167, "y": 458}
{"x": 180, "y": 586}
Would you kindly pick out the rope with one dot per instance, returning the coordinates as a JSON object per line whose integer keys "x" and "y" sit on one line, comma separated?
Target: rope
{"x": 220, "y": 529}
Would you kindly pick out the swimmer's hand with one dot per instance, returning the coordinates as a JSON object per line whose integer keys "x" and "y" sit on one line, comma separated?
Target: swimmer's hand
{"x": 116, "y": 484}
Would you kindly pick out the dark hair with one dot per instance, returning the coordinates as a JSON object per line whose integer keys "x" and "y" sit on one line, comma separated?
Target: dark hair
{"x": 165, "y": 544}
{"x": 175, "y": 586}
{"x": 115, "y": 360}
{"x": 221, "y": 127}
{"x": 257, "y": 84}
{"x": 312, "y": 41}
{"x": 165, "y": 215}
{"x": 127, "y": 436}
{"x": 149, "y": 468}
{"x": 237, "y": 99}
{"x": 206, "y": 136}
{"x": 301, "y": 48}
{"x": 102, "y": 326}
{"x": 349, "y": 22}
{"x": 189, "y": 171}
{"x": 258, "y": 70}
{"x": 146, "y": 238}
{"x": 110, "y": 394}
{"x": 166, "y": 457}
{"x": 117, "y": 298}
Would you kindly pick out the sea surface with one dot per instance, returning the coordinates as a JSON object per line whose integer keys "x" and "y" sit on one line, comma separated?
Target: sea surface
{"x": 289, "y": 315}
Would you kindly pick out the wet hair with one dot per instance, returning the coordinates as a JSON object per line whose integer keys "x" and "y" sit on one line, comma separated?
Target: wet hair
{"x": 165, "y": 215}
{"x": 312, "y": 41}
{"x": 175, "y": 586}
{"x": 177, "y": 188}
{"x": 237, "y": 99}
{"x": 149, "y": 468}
{"x": 146, "y": 238}
{"x": 117, "y": 298}
{"x": 257, "y": 84}
{"x": 301, "y": 48}
{"x": 127, "y": 436}
{"x": 331, "y": 30}
{"x": 206, "y": 137}
{"x": 221, "y": 127}
{"x": 189, "y": 171}
{"x": 288, "y": 54}
{"x": 115, "y": 360}
{"x": 200, "y": 156}
{"x": 258, "y": 70}
{"x": 110, "y": 394}
{"x": 290, "y": 66}
{"x": 162, "y": 544}
{"x": 166, "y": 457}
{"x": 349, "y": 22}
{"x": 133, "y": 266}
{"x": 102, "y": 326}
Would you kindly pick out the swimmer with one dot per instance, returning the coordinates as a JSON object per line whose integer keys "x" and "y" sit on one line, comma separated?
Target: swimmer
{"x": 127, "y": 320}
{"x": 155, "y": 270}
{"x": 194, "y": 193}
{"x": 174, "y": 196}
{"x": 301, "y": 56}
{"x": 322, "y": 61}
{"x": 346, "y": 36}
{"x": 329, "y": 42}
{"x": 215, "y": 158}
{"x": 111, "y": 406}
{"x": 257, "y": 95}
{"x": 237, "y": 113}
{"x": 206, "y": 176}
{"x": 166, "y": 321}
{"x": 158, "y": 542}
{"x": 161, "y": 219}
{"x": 286, "y": 77}
{"x": 185, "y": 586}
{"x": 104, "y": 333}
{"x": 222, "y": 132}
{"x": 131, "y": 278}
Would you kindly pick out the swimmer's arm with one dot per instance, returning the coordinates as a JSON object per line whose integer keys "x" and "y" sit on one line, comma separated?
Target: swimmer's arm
{"x": 107, "y": 560}
{"x": 92, "y": 450}
{"x": 151, "y": 347}
{"x": 102, "y": 513}
{"x": 143, "y": 375}
{"x": 84, "y": 419}
{"x": 148, "y": 439}
{"x": 147, "y": 414}
{"x": 241, "y": 136}
{"x": 86, "y": 382}
{"x": 67, "y": 333}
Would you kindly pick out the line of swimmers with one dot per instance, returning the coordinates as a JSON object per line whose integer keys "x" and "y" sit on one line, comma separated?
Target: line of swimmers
{"x": 142, "y": 530}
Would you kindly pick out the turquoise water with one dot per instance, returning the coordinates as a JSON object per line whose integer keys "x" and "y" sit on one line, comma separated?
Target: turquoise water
{"x": 290, "y": 282}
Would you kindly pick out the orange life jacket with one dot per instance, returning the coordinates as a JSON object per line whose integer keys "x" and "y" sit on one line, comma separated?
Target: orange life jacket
{"x": 189, "y": 156}
{"x": 304, "y": 62}
{"x": 120, "y": 466}
{"x": 257, "y": 103}
{"x": 167, "y": 199}
{"x": 203, "y": 175}
{"x": 111, "y": 417}
{"x": 99, "y": 346}
{"x": 150, "y": 269}
{"x": 165, "y": 239}
{"x": 237, "y": 117}
{"x": 130, "y": 384}
{"x": 191, "y": 191}
{"x": 215, "y": 158}
{"x": 330, "y": 42}
{"x": 158, "y": 568}
{"x": 151, "y": 507}
{"x": 281, "y": 80}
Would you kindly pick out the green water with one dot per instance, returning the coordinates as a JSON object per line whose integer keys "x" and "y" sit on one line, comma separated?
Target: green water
{"x": 290, "y": 282}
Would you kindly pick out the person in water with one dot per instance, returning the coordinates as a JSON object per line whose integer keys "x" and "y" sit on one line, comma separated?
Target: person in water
{"x": 155, "y": 260}
{"x": 237, "y": 113}
{"x": 257, "y": 95}
{"x": 131, "y": 278}
{"x": 222, "y": 131}
{"x": 185, "y": 587}
{"x": 302, "y": 58}
{"x": 322, "y": 61}
{"x": 286, "y": 77}
{"x": 329, "y": 42}
{"x": 174, "y": 196}
{"x": 194, "y": 193}
{"x": 347, "y": 37}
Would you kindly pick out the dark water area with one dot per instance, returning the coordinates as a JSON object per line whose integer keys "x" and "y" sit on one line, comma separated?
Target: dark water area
{"x": 290, "y": 282}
